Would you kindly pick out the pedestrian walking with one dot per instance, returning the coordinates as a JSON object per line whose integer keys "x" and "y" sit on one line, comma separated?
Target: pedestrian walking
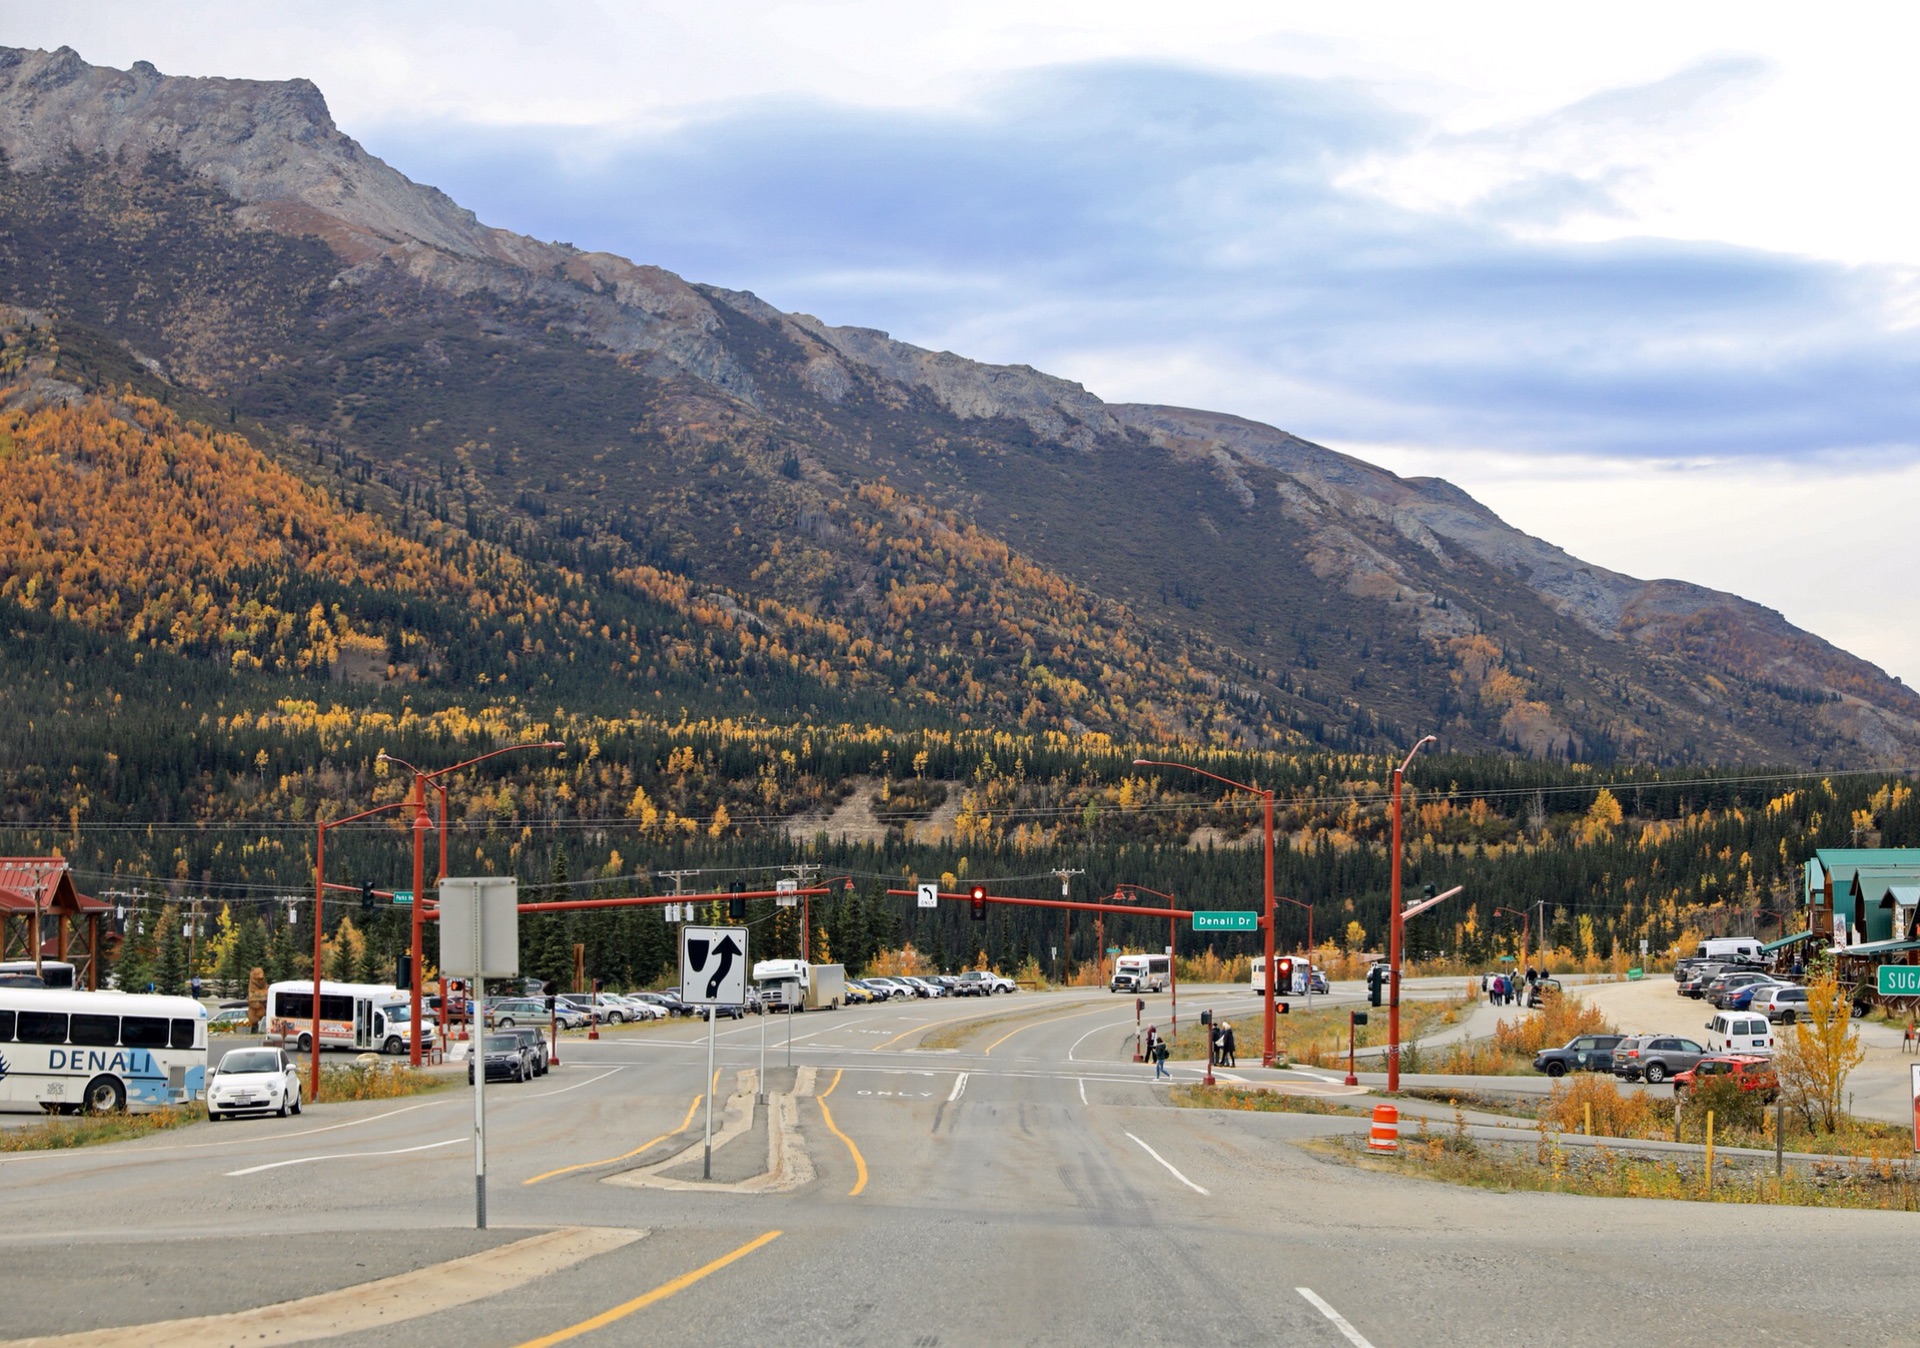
{"x": 1160, "y": 1060}
{"x": 1152, "y": 1039}
{"x": 1226, "y": 1045}
{"x": 1483, "y": 985}
{"x": 1214, "y": 1037}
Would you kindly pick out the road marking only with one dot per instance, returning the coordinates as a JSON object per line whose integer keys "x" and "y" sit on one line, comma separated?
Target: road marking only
{"x": 1169, "y": 1165}
{"x": 344, "y": 1156}
{"x": 1354, "y": 1336}
{"x": 588, "y": 1165}
{"x": 658, "y": 1294}
{"x": 959, "y": 1088}
{"x": 859, "y": 1161}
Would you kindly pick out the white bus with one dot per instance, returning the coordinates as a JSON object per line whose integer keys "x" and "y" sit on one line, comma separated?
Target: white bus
{"x": 352, "y": 1015}
{"x": 1295, "y": 979}
{"x": 1140, "y": 973}
{"x": 50, "y": 974}
{"x": 65, "y": 1052}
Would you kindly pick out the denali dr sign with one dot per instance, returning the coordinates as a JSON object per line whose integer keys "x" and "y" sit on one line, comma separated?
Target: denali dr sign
{"x": 1226, "y": 922}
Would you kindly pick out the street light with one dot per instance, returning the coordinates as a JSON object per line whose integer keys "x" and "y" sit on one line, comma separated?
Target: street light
{"x": 1397, "y": 921}
{"x": 1526, "y": 920}
{"x": 1300, "y": 903}
{"x": 418, "y": 799}
{"x": 1269, "y": 1050}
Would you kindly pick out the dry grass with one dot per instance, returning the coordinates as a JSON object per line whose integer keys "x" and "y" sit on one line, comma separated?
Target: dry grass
{"x": 88, "y": 1130}
{"x": 1320, "y": 1038}
{"x": 377, "y": 1081}
{"x": 1265, "y": 1102}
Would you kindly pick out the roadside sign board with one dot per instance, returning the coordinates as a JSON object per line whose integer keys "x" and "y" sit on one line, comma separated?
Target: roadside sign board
{"x": 713, "y": 966}
{"x": 1899, "y": 980}
{"x": 928, "y": 892}
{"x": 1219, "y": 921}
{"x": 480, "y": 926}
{"x": 786, "y": 886}
{"x": 403, "y": 896}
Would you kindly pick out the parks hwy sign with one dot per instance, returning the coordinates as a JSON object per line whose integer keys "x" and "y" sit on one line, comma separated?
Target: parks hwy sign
{"x": 1899, "y": 980}
{"x": 1226, "y": 921}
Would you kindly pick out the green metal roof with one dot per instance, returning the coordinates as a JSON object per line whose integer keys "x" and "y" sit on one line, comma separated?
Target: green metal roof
{"x": 1868, "y": 856}
{"x": 1786, "y": 941}
{"x": 1880, "y": 948}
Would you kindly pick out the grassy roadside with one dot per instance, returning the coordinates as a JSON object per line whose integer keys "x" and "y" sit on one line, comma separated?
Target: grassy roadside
{"x": 957, "y": 1033}
{"x": 1264, "y": 1102}
{"x": 90, "y": 1130}
{"x": 377, "y": 1081}
{"x": 1451, "y": 1156}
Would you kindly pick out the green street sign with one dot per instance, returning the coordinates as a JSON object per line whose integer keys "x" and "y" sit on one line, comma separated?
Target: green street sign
{"x": 403, "y": 896}
{"x": 1226, "y": 921}
{"x": 1113, "y": 950}
{"x": 1899, "y": 980}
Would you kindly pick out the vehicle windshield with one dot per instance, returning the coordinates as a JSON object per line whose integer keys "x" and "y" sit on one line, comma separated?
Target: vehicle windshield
{"x": 502, "y": 1043}
{"x": 399, "y": 1011}
{"x": 249, "y": 1061}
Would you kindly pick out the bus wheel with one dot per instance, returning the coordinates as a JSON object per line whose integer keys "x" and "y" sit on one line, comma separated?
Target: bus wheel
{"x": 105, "y": 1095}
{"x": 394, "y": 1046}
{"x": 304, "y": 1043}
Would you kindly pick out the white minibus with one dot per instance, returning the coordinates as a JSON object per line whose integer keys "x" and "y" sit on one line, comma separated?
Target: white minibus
{"x": 352, "y": 1015}
{"x": 64, "y": 1052}
{"x": 1140, "y": 973}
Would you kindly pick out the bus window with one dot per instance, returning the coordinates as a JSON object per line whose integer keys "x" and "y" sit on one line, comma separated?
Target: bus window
{"x": 6, "y": 1026}
{"x": 143, "y": 1031}
{"x": 183, "y": 1033}
{"x": 43, "y": 1027}
{"x": 294, "y": 1005}
{"x": 333, "y": 1006}
{"x": 95, "y": 1031}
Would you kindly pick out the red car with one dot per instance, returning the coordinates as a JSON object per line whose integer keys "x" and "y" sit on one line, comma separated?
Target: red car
{"x": 1754, "y": 1073}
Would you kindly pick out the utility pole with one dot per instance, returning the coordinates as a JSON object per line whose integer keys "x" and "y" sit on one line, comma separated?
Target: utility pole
{"x": 805, "y": 872}
{"x": 1066, "y": 892}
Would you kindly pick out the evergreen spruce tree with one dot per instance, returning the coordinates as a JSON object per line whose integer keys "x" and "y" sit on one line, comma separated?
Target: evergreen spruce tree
{"x": 135, "y": 963}
{"x": 170, "y": 965}
{"x": 343, "y": 961}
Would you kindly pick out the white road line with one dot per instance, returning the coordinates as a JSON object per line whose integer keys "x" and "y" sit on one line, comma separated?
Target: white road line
{"x": 1169, "y": 1165}
{"x": 564, "y": 1089}
{"x": 1095, "y": 1030}
{"x": 959, "y": 1088}
{"x": 254, "y": 1138}
{"x": 345, "y": 1156}
{"x": 1083, "y": 1090}
{"x": 1354, "y": 1336}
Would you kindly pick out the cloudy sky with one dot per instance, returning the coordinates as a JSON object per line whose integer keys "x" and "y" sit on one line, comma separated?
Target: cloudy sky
{"x": 1646, "y": 281}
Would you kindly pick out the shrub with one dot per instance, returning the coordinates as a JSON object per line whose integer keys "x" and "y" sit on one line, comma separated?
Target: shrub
{"x": 1732, "y": 1107}
{"x": 1561, "y": 1017}
{"x": 1614, "y": 1114}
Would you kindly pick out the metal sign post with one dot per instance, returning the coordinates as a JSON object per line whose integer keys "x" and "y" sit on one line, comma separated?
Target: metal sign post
{"x": 763, "y": 1058}
{"x": 713, "y": 973}
{"x": 480, "y": 936}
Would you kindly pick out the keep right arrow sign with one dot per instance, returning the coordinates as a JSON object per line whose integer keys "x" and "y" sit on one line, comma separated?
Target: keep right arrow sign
{"x": 713, "y": 966}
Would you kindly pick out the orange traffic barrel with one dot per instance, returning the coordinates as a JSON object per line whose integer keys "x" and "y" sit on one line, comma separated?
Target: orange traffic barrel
{"x": 1386, "y": 1129}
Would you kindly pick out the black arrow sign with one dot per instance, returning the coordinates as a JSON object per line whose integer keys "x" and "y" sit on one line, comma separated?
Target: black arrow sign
{"x": 726, "y": 952}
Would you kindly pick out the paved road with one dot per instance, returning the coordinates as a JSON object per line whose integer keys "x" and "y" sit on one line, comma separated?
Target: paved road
{"x": 1032, "y": 1186}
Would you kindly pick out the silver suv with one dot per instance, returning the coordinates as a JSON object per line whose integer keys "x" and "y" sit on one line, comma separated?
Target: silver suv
{"x": 1654, "y": 1058}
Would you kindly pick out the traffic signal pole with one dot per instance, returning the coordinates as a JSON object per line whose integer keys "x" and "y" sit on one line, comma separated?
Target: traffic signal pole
{"x": 1398, "y": 922}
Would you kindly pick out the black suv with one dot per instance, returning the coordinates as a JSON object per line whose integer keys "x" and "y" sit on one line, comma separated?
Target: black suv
{"x": 1588, "y": 1053}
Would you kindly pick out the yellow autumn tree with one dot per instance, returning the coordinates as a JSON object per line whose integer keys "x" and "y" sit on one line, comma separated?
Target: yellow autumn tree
{"x": 1815, "y": 1060}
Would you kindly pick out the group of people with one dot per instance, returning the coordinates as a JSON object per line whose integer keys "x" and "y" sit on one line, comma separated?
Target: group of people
{"x": 1220, "y": 1037}
{"x": 1504, "y": 989}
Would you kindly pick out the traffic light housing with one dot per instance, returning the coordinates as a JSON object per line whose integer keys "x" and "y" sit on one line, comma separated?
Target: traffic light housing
{"x": 1283, "y": 974}
{"x": 1282, "y": 1009}
{"x": 366, "y": 898}
{"x": 979, "y": 896}
{"x": 737, "y": 905}
{"x": 403, "y": 971}
{"x": 1376, "y": 981}
{"x": 1357, "y": 1017}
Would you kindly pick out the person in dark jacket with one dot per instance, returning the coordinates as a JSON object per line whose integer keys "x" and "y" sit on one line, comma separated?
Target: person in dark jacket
{"x": 1226, "y": 1045}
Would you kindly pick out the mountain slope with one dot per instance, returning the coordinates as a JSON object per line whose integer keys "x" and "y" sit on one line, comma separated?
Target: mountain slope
{"x": 978, "y": 541}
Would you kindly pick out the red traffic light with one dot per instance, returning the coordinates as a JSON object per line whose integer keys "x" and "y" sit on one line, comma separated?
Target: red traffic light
{"x": 979, "y": 896}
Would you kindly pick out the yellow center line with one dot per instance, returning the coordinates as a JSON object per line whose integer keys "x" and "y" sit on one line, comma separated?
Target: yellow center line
{"x": 916, "y": 1029}
{"x": 660, "y": 1293}
{"x": 588, "y": 1165}
{"x": 859, "y": 1161}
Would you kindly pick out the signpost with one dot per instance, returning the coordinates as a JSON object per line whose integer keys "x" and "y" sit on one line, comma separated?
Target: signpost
{"x": 1226, "y": 921}
{"x": 928, "y": 893}
{"x": 713, "y": 973}
{"x": 1899, "y": 980}
{"x": 480, "y": 937}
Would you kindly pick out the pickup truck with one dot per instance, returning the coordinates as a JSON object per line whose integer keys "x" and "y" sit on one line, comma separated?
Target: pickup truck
{"x": 981, "y": 983}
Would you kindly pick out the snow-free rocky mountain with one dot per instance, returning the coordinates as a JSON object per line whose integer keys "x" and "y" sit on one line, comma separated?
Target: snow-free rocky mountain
{"x": 237, "y": 246}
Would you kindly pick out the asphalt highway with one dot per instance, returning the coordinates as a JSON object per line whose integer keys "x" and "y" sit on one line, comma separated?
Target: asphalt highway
{"x": 1031, "y": 1186}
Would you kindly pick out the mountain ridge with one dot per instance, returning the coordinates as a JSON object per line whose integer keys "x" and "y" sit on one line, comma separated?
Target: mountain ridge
{"x": 812, "y": 411}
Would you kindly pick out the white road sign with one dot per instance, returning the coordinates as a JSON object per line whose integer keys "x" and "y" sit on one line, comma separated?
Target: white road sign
{"x": 713, "y": 966}
{"x": 480, "y": 925}
{"x": 786, "y": 886}
{"x": 929, "y": 892}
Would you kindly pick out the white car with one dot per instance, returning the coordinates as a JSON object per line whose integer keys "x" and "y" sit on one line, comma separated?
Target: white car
{"x": 253, "y": 1081}
{"x": 618, "y": 1009}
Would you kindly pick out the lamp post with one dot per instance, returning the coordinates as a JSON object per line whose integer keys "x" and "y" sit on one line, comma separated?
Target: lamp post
{"x": 1173, "y": 957}
{"x": 1268, "y": 1049}
{"x": 1298, "y": 903}
{"x": 1396, "y": 923}
{"x": 320, "y": 925}
{"x": 1526, "y": 924}
{"x": 417, "y": 798}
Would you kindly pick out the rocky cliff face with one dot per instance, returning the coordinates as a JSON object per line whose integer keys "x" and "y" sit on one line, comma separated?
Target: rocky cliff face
{"x": 1441, "y": 576}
